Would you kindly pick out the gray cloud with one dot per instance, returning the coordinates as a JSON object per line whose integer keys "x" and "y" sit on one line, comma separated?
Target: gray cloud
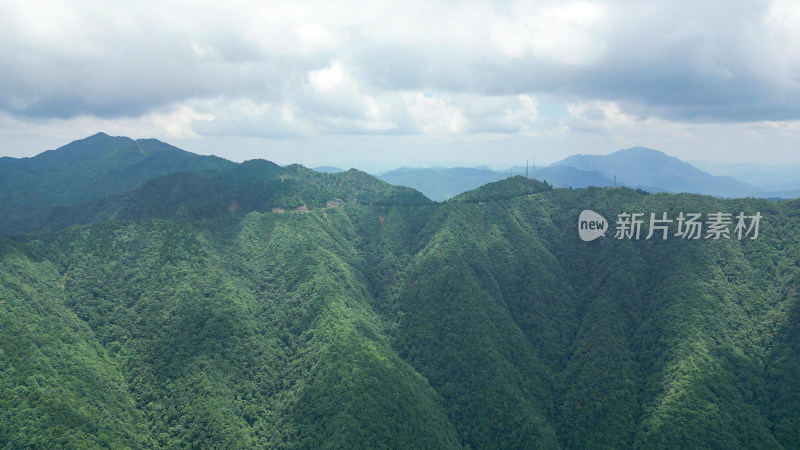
{"x": 708, "y": 61}
{"x": 416, "y": 68}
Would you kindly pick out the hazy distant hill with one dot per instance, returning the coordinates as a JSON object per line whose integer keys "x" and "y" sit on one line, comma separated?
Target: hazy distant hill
{"x": 654, "y": 170}
{"x": 440, "y": 183}
{"x": 636, "y": 167}
{"x": 774, "y": 180}
{"x": 565, "y": 177}
{"x": 328, "y": 169}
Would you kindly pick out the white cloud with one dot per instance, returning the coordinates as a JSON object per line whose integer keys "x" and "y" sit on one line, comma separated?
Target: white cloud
{"x": 168, "y": 124}
{"x": 331, "y": 78}
{"x": 434, "y": 114}
{"x": 605, "y": 114}
{"x": 569, "y": 33}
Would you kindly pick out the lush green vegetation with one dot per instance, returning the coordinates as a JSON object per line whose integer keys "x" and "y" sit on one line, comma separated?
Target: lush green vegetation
{"x": 86, "y": 170}
{"x": 264, "y": 306}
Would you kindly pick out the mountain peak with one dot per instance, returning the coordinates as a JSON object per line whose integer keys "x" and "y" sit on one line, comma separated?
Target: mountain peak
{"x": 504, "y": 189}
{"x": 642, "y": 150}
{"x": 89, "y": 169}
{"x": 92, "y": 144}
{"x": 100, "y": 137}
{"x": 655, "y": 170}
{"x": 637, "y": 153}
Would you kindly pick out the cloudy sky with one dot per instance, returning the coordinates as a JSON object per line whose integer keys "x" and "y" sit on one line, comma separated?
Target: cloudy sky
{"x": 377, "y": 85}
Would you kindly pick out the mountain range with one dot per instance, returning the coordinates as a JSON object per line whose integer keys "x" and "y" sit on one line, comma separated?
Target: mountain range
{"x": 637, "y": 167}
{"x": 258, "y": 306}
{"x": 652, "y": 170}
{"x": 768, "y": 177}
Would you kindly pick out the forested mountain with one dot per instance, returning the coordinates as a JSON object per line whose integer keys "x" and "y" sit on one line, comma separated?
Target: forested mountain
{"x": 255, "y": 185}
{"x": 328, "y": 169}
{"x": 263, "y": 306}
{"x": 89, "y": 169}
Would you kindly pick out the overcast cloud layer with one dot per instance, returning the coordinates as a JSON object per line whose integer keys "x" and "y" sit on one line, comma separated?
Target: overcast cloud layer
{"x": 418, "y": 82}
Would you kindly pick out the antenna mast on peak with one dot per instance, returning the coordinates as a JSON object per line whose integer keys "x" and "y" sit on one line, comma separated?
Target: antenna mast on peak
{"x": 526, "y": 168}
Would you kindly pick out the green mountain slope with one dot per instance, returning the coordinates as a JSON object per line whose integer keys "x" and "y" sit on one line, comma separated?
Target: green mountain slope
{"x": 58, "y": 385}
{"x": 263, "y": 337}
{"x": 285, "y": 308}
{"x": 89, "y": 169}
{"x": 255, "y": 185}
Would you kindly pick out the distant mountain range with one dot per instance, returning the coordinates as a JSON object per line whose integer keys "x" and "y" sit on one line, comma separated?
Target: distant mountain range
{"x": 567, "y": 176}
{"x": 771, "y": 177}
{"x": 653, "y": 170}
{"x": 637, "y": 167}
{"x": 441, "y": 183}
{"x": 101, "y": 166}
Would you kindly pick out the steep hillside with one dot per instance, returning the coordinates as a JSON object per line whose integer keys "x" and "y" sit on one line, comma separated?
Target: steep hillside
{"x": 285, "y": 308}
{"x": 255, "y": 185}
{"x": 90, "y": 169}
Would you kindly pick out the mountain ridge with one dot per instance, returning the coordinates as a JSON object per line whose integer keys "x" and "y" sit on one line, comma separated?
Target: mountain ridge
{"x": 388, "y": 319}
{"x": 92, "y": 168}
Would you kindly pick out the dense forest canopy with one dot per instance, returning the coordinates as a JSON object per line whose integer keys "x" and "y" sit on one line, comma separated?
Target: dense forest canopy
{"x": 252, "y": 305}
